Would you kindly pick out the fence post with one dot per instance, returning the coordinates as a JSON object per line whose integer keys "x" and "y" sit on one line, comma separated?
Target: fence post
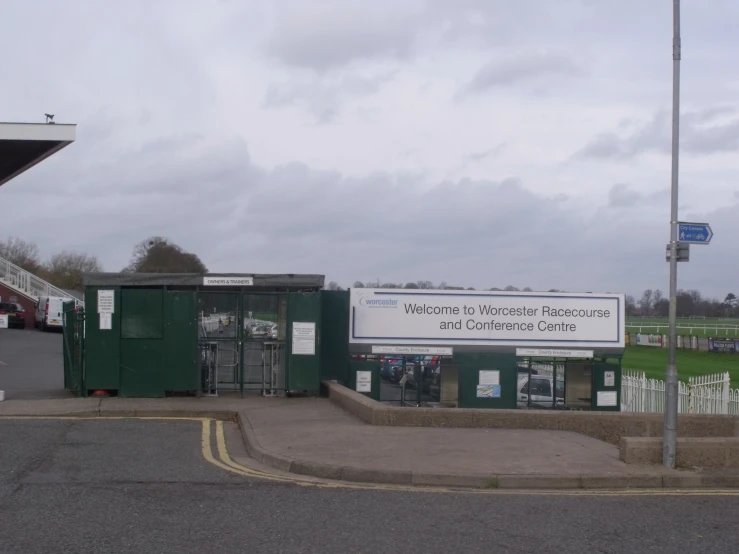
{"x": 691, "y": 405}
{"x": 725, "y": 394}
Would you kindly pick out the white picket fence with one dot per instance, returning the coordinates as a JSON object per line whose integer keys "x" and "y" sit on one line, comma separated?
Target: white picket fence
{"x": 705, "y": 394}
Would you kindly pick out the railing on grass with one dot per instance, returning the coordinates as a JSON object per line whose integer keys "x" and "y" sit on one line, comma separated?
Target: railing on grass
{"x": 704, "y": 394}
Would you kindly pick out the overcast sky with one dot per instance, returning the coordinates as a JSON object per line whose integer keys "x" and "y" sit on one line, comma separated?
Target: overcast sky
{"x": 480, "y": 142}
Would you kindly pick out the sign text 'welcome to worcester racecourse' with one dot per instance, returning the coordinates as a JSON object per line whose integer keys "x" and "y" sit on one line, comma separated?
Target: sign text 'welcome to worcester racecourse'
{"x": 392, "y": 316}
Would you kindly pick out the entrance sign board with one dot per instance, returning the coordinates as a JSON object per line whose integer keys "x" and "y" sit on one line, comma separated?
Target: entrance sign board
{"x": 489, "y": 318}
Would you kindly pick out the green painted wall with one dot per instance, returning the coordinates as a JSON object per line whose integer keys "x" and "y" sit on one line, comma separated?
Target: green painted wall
{"x": 303, "y": 371}
{"x": 180, "y": 349}
{"x": 335, "y": 335}
{"x": 469, "y": 367}
{"x": 102, "y": 347}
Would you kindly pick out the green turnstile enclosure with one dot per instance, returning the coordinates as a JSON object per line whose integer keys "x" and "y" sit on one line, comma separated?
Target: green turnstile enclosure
{"x": 153, "y": 335}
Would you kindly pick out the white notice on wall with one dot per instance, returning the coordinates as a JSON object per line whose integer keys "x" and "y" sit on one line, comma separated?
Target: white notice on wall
{"x": 106, "y": 302}
{"x": 609, "y": 378}
{"x": 304, "y": 338}
{"x": 489, "y": 377}
{"x": 106, "y": 322}
{"x": 607, "y": 398}
{"x": 364, "y": 381}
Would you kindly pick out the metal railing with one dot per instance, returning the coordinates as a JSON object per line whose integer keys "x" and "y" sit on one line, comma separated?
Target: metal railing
{"x": 29, "y": 284}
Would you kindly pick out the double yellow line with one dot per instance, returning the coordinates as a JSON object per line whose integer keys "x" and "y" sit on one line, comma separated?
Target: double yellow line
{"x": 224, "y": 461}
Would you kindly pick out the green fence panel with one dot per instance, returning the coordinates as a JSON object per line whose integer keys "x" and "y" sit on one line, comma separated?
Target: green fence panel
{"x": 303, "y": 367}
{"x": 470, "y": 366}
{"x": 335, "y": 335}
{"x": 102, "y": 346}
{"x": 180, "y": 348}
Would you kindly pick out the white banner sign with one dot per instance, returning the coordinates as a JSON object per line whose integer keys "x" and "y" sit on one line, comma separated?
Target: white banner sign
{"x": 649, "y": 340}
{"x": 3, "y": 321}
{"x": 228, "y": 281}
{"x": 407, "y": 317}
{"x": 413, "y": 350}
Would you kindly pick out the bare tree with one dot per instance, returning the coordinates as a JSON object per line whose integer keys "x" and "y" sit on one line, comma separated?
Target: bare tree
{"x": 511, "y": 288}
{"x": 646, "y": 302}
{"x": 358, "y": 285}
{"x": 411, "y": 286}
{"x": 22, "y": 253}
{"x": 630, "y": 305}
{"x": 159, "y": 255}
{"x": 66, "y": 269}
{"x": 333, "y": 285}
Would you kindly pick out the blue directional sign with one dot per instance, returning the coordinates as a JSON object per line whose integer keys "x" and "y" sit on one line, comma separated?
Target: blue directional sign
{"x": 694, "y": 233}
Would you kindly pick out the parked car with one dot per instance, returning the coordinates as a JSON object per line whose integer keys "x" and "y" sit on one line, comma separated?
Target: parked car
{"x": 49, "y": 312}
{"x": 265, "y": 332}
{"x": 541, "y": 391}
{"x": 16, "y": 314}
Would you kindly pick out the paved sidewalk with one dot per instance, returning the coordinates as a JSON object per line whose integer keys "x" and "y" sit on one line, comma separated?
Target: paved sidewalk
{"x": 319, "y": 433}
{"x": 312, "y": 436}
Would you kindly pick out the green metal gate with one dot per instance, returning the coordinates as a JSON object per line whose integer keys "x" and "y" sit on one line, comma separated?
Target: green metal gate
{"x": 74, "y": 348}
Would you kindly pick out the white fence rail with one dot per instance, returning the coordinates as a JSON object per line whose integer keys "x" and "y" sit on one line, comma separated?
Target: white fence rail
{"x": 717, "y": 330}
{"x": 705, "y": 394}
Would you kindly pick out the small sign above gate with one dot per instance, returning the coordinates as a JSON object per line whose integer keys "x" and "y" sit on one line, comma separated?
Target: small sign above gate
{"x": 553, "y": 353}
{"x": 413, "y": 350}
{"x": 228, "y": 281}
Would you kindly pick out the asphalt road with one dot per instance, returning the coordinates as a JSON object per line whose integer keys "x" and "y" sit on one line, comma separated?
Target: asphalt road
{"x": 33, "y": 367}
{"x": 144, "y": 486}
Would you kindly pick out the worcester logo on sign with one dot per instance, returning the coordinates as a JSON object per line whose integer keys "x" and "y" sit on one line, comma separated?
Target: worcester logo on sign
{"x": 377, "y": 302}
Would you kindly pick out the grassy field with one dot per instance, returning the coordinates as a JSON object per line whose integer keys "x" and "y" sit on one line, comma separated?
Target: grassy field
{"x": 689, "y": 363}
{"x": 694, "y": 327}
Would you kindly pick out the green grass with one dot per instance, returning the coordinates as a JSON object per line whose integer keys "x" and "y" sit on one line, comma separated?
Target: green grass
{"x": 695, "y": 327}
{"x": 689, "y": 363}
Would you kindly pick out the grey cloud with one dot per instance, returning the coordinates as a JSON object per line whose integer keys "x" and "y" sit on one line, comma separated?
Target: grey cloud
{"x": 484, "y": 154}
{"x": 703, "y": 132}
{"x": 622, "y": 195}
{"x": 323, "y": 96}
{"x": 332, "y": 33}
{"x": 509, "y": 71}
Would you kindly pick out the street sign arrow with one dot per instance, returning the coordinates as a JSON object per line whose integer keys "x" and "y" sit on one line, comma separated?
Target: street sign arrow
{"x": 694, "y": 233}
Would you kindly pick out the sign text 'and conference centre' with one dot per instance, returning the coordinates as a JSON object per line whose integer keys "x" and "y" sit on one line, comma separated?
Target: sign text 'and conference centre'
{"x": 408, "y": 317}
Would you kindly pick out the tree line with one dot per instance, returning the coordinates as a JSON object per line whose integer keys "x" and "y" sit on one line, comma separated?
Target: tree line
{"x": 690, "y": 303}
{"x": 157, "y": 254}
{"x": 333, "y": 285}
{"x": 66, "y": 269}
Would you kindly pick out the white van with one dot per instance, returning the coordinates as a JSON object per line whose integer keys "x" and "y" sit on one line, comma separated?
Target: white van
{"x": 49, "y": 312}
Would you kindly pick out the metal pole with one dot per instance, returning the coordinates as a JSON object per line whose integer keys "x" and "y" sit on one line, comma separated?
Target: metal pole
{"x": 669, "y": 447}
